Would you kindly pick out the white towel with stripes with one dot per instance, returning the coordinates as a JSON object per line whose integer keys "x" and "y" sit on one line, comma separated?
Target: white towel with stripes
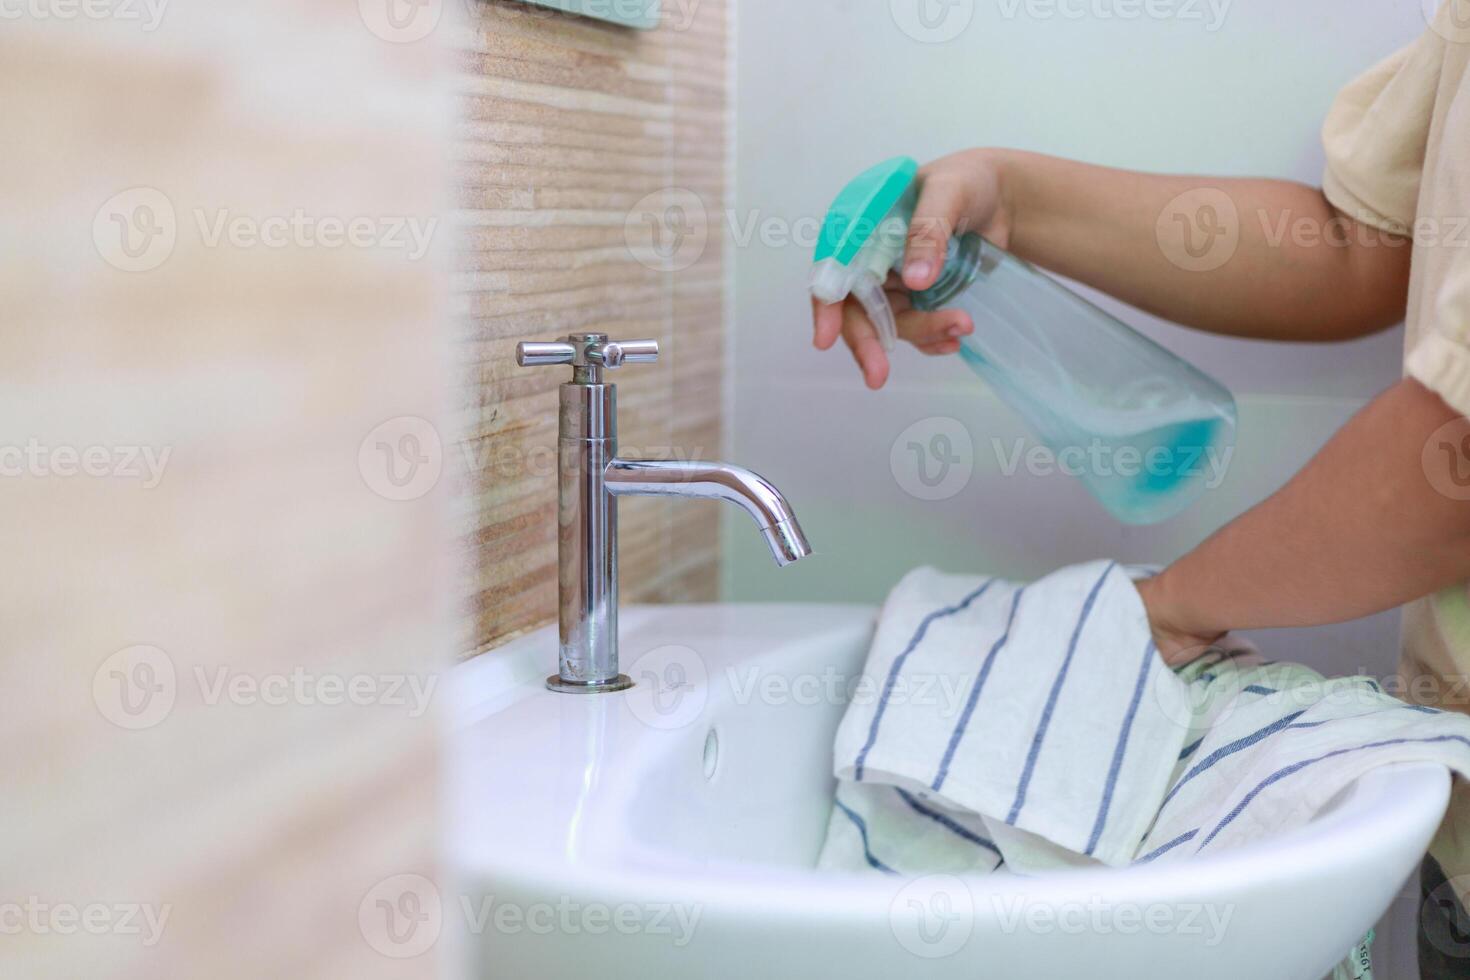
{"x": 1034, "y": 727}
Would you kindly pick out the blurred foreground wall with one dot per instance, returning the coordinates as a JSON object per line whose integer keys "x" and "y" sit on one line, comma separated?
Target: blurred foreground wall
{"x": 220, "y": 485}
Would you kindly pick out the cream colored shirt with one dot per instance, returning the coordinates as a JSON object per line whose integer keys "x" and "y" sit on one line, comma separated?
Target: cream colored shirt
{"x": 1398, "y": 158}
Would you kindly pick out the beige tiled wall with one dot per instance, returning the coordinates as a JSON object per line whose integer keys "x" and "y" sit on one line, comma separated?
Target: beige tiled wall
{"x": 182, "y": 621}
{"x": 577, "y": 140}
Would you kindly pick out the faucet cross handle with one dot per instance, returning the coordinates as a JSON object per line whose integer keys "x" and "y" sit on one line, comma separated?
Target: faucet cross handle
{"x": 585, "y": 351}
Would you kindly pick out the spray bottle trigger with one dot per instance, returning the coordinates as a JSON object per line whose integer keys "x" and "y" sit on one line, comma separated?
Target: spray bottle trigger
{"x": 868, "y": 289}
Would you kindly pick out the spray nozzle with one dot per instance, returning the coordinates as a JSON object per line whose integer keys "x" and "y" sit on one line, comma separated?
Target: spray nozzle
{"x": 863, "y": 239}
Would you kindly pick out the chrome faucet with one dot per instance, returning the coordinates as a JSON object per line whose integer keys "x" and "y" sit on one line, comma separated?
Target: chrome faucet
{"x": 591, "y": 476}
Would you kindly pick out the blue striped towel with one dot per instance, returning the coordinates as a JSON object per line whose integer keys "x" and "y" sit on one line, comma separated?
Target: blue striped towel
{"x": 1036, "y": 727}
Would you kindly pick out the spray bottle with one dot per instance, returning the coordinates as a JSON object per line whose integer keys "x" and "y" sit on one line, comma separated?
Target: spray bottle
{"x": 1145, "y": 431}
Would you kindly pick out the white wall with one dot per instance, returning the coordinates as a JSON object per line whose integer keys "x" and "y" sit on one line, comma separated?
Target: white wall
{"x": 828, "y": 87}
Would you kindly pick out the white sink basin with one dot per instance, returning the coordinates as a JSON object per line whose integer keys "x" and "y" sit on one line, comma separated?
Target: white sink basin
{"x": 669, "y": 831}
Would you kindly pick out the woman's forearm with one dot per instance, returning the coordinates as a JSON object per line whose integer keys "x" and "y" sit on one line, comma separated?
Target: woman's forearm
{"x": 1252, "y": 258}
{"x": 1373, "y": 521}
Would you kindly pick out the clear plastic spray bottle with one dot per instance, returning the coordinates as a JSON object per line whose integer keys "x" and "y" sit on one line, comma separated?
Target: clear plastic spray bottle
{"x": 1145, "y": 431}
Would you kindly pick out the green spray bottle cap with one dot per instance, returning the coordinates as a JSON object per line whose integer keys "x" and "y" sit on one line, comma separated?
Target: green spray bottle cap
{"x": 863, "y": 239}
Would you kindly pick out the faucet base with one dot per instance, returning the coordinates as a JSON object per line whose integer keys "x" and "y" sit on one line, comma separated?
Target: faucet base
{"x": 620, "y": 683}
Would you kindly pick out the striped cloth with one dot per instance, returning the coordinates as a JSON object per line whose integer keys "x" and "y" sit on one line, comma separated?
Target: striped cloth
{"x": 1032, "y": 727}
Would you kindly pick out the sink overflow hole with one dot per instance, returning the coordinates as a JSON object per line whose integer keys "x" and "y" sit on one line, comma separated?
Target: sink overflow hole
{"x": 711, "y": 754}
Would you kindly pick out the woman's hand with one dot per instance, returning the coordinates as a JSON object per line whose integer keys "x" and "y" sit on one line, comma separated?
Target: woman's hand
{"x": 1365, "y": 527}
{"x": 958, "y": 194}
{"x": 1178, "y": 641}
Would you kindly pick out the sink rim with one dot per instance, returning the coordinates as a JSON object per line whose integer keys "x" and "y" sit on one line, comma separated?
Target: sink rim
{"x": 1409, "y": 798}
{"x": 1329, "y": 841}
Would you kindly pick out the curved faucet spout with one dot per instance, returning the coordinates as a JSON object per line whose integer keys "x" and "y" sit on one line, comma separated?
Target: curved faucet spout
{"x": 590, "y": 477}
{"x": 716, "y": 481}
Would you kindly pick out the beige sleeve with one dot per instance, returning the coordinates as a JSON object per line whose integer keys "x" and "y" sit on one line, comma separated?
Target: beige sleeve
{"x": 1375, "y": 137}
{"x": 1439, "y": 346}
{"x": 1440, "y": 360}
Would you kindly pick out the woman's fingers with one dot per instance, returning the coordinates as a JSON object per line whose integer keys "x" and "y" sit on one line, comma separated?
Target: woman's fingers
{"x": 935, "y": 333}
{"x": 924, "y": 329}
{"x": 937, "y": 215}
{"x": 867, "y": 350}
{"x": 826, "y": 323}
{"x": 942, "y": 348}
